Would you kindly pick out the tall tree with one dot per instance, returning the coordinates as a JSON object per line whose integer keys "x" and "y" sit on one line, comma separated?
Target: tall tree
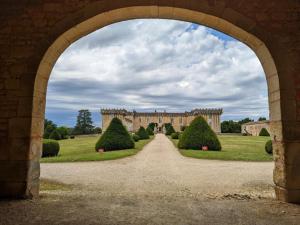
{"x": 246, "y": 120}
{"x": 49, "y": 127}
{"x": 84, "y": 123}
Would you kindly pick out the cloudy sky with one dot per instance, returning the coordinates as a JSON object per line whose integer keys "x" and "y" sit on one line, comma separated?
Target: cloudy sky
{"x": 156, "y": 64}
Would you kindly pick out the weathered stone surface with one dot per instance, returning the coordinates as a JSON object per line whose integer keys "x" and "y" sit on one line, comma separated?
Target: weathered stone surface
{"x": 287, "y": 195}
{"x": 32, "y": 36}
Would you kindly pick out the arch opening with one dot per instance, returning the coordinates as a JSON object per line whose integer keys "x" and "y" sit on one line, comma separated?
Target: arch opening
{"x": 117, "y": 15}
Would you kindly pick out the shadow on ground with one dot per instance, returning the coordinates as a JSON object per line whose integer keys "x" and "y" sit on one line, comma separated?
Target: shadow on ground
{"x": 65, "y": 204}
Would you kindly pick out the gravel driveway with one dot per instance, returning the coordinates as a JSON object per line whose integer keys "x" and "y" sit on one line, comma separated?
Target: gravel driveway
{"x": 161, "y": 169}
{"x": 156, "y": 186}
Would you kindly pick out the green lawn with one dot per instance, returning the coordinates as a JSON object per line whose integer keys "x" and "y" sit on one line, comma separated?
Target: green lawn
{"x": 234, "y": 147}
{"x": 83, "y": 149}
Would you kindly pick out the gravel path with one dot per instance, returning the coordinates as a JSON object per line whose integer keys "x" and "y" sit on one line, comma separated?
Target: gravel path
{"x": 161, "y": 169}
{"x": 156, "y": 186}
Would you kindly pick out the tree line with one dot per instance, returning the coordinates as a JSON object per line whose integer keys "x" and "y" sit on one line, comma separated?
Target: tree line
{"x": 84, "y": 125}
{"x": 230, "y": 126}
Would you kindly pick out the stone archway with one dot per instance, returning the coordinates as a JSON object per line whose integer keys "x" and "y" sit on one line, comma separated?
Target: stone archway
{"x": 36, "y": 35}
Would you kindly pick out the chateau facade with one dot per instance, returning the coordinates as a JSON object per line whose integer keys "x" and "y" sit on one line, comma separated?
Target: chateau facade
{"x": 134, "y": 120}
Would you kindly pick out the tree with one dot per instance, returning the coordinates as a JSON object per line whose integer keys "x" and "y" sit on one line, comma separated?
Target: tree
{"x": 262, "y": 119}
{"x": 64, "y": 132}
{"x": 49, "y": 127}
{"x": 246, "y": 120}
{"x": 84, "y": 123}
{"x": 116, "y": 137}
{"x": 199, "y": 134}
{"x": 230, "y": 127}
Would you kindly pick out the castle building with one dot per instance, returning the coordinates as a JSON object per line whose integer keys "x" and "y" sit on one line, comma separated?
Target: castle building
{"x": 134, "y": 120}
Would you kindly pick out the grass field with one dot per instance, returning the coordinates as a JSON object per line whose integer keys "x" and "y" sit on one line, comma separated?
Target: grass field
{"x": 242, "y": 148}
{"x": 83, "y": 149}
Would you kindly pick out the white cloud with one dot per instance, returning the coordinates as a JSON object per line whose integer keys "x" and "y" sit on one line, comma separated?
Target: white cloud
{"x": 148, "y": 64}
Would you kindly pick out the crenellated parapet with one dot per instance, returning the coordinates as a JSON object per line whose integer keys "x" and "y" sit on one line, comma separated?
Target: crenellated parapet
{"x": 207, "y": 111}
{"x": 123, "y": 112}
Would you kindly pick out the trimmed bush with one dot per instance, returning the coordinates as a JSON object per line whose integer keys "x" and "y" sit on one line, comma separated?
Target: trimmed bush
{"x": 97, "y": 130}
{"x": 135, "y": 137}
{"x": 175, "y": 135}
{"x": 50, "y": 148}
{"x": 199, "y": 134}
{"x": 182, "y": 128}
{"x": 180, "y": 135}
{"x": 269, "y": 147}
{"x": 72, "y": 137}
{"x": 169, "y": 129}
{"x": 142, "y": 133}
{"x": 149, "y": 131}
{"x": 264, "y": 132}
{"x": 116, "y": 137}
{"x": 55, "y": 135}
{"x": 152, "y": 126}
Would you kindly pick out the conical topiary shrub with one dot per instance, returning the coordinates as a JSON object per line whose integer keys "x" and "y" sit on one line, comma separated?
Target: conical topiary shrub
{"x": 264, "y": 132}
{"x": 149, "y": 131}
{"x": 142, "y": 133}
{"x": 116, "y": 137}
{"x": 169, "y": 129}
{"x": 55, "y": 135}
{"x": 199, "y": 134}
{"x": 152, "y": 126}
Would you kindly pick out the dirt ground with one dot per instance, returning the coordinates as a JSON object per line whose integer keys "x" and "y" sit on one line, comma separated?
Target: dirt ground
{"x": 157, "y": 186}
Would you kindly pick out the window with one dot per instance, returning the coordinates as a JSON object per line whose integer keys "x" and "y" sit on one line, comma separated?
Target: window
{"x": 140, "y": 119}
{"x": 180, "y": 120}
{"x": 172, "y": 120}
{"x": 160, "y": 120}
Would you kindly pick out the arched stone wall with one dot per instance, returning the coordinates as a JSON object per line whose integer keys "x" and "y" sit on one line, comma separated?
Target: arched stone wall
{"x": 38, "y": 33}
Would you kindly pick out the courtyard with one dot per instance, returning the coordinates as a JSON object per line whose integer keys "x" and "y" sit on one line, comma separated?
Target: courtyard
{"x": 156, "y": 186}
